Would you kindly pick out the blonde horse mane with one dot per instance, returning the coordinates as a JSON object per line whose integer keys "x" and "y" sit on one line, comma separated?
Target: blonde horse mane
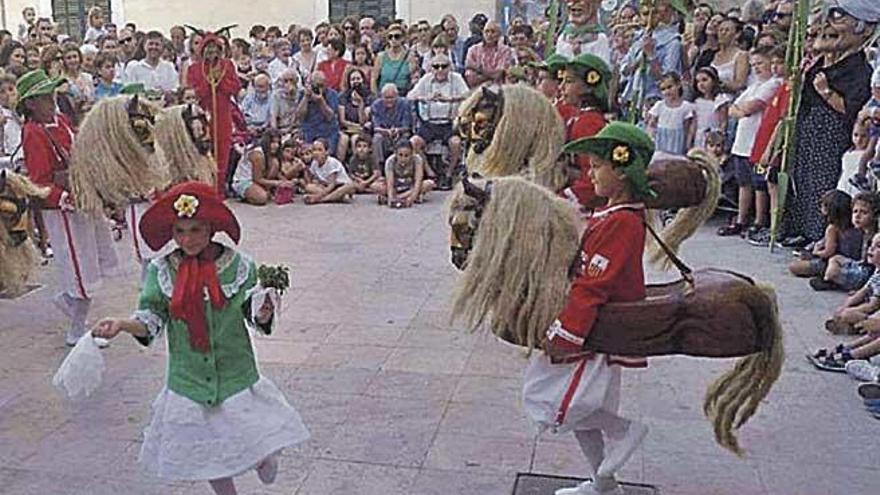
{"x": 687, "y": 220}
{"x": 110, "y": 166}
{"x": 17, "y": 263}
{"x": 527, "y": 141}
{"x": 517, "y": 276}
{"x": 183, "y": 160}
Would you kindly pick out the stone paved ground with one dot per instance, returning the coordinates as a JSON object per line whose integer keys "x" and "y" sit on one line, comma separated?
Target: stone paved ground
{"x": 400, "y": 402}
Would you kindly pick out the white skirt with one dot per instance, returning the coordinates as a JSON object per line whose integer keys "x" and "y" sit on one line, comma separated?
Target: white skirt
{"x": 188, "y": 441}
{"x": 545, "y": 386}
{"x": 84, "y": 252}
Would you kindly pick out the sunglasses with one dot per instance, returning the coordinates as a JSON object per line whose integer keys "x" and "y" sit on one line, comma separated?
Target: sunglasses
{"x": 348, "y": 28}
{"x": 395, "y": 36}
{"x": 125, "y": 40}
{"x": 440, "y": 66}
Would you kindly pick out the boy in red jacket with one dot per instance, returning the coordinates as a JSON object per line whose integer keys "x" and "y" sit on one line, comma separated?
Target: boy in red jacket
{"x": 567, "y": 388}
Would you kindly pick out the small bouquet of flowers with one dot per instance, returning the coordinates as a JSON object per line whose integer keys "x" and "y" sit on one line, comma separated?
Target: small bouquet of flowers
{"x": 274, "y": 277}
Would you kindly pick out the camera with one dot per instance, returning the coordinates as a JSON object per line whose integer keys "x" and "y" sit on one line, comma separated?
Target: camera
{"x": 316, "y": 89}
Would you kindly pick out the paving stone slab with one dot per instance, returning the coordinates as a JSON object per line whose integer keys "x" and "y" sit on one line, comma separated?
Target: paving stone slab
{"x": 542, "y": 484}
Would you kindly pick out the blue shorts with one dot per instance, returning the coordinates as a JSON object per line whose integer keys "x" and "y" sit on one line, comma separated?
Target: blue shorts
{"x": 742, "y": 170}
{"x": 853, "y": 274}
{"x": 759, "y": 177}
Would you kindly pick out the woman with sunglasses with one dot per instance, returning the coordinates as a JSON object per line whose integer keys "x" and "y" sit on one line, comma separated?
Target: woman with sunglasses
{"x": 351, "y": 36}
{"x": 393, "y": 65}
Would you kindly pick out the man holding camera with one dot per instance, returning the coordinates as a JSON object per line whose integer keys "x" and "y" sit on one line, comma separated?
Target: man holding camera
{"x": 317, "y": 112}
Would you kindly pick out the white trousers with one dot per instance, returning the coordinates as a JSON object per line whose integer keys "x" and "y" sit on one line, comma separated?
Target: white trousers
{"x": 545, "y": 386}
{"x": 83, "y": 249}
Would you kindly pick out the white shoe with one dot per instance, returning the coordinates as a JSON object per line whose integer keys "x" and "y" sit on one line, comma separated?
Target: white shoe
{"x": 862, "y": 370}
{"x": 268, "y": 469}
{"x": 621, "y": 452}
{"x": 587, "y": 488}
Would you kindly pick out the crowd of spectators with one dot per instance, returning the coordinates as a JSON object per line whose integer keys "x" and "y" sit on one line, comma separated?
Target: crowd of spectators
{"x": 366, "y": 106}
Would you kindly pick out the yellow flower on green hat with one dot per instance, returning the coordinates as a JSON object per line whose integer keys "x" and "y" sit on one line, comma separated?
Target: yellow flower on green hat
{"x": 620, "y": 154}
{"x": 186, "y": 206}
{"x": 593, "y": 78}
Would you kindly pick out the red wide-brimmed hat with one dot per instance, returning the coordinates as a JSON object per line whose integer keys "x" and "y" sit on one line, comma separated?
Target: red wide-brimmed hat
{"x": 187, "y": 201}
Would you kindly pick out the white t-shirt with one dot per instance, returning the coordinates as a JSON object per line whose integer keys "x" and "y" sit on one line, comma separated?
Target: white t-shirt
{"x": 163, "y": 77}
{"x": 323, "y": 172}
{"x": 849, "y": 168}
{"x": 707, "y": 118}
{"x": 276, "y": 67}
{"x": 453, "y": 87}
{"x": 747, "y": 127}
{"x": 672, "y": 117}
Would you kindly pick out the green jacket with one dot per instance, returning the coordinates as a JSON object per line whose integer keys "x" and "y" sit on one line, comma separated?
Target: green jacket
{"x": 229, "y": 366}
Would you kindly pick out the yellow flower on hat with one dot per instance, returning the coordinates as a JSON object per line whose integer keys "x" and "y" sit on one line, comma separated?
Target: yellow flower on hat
{"x": 620, "y": 154}
{"x": 593, "y": 77}
{"x": 186, "y": 206}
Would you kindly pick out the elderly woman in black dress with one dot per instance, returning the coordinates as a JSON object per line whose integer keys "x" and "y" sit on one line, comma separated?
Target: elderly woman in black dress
{"x": 836, "y": 87}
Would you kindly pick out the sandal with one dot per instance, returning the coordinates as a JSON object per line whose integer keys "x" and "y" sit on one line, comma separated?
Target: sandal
{"x": 835, "y": 362}
{"x": 731, "y": 230}
{"x": 824, "y": 352}
{"x": 820, "y": 284}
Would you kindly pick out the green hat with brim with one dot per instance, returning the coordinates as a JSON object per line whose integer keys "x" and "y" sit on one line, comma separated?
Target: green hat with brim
{"x": 595, "y": 74}
{"x": 625, "y": 146}
{"x": 553, "y": 63}
{"x": 36, "y": 83}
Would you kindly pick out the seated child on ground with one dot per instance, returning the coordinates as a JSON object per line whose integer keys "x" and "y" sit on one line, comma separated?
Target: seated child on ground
{"x": 258, "y": 176}
{"x": 847, "y": 273}
{"x": 327, "y": 180}
{"x": 362, "y": 167}
{"x": 854, "y": 357}
{"x": 292, "y": 168}
{"x": 404, "y": 174}
{"x": 863, "y": 302}
{"x": 840, "y": 237}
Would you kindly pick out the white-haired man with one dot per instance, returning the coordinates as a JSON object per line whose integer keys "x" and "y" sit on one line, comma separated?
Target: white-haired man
{"x": 282, "y": 109}
{"x": 391, "y": 118}
{"x": 436, "y": 96}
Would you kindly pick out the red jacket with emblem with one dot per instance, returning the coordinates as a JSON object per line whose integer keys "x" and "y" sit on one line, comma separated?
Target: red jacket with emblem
{"x": 611, "y": 268}
{"x": 46, "y": 155}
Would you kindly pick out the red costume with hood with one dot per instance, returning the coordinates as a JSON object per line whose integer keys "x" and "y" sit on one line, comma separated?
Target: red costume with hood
{"x": 216, "y": 84}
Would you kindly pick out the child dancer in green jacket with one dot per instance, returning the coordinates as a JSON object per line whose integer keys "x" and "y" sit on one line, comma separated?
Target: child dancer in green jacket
{"x": 217, "y": 416}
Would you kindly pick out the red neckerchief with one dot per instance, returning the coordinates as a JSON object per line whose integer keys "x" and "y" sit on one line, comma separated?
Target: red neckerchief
{"x": 195, "y": 275}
